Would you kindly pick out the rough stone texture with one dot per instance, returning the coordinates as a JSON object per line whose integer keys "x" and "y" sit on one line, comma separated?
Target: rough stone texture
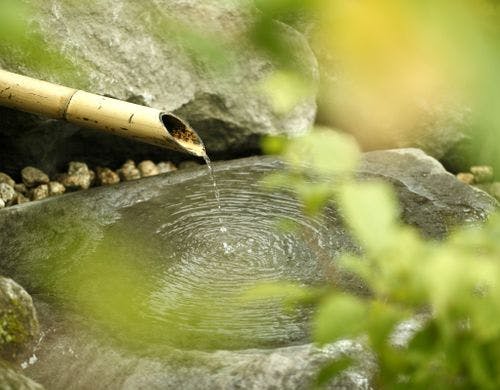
{"x": 145, "y": 64}
{"x": 166, "y": 166}
{"x": 10, "y": 379}
{"x": 7, "y": 193}
{"x": 79, "y": 176}
{"x": 102, "y": 366}
{"x": 4, "y": 178}
{"x": 40, "y": 192}
{"x": 69, "y": 227}
{"x": 21, "y": 198}
{"x": 21, "y": 188}
{"x": 147, "y": 168}
{"x": 33, "y": 176}
{"x": 18, "y": 321}
{"x": 435, "y": 200}
{"x": 106, "y": 176}
{"x": 129, "y": 171}
{"x": 56, "y": 188}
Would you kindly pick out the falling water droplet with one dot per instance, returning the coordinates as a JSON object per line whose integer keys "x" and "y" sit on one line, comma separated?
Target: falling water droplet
{"x": 222, "y": 229}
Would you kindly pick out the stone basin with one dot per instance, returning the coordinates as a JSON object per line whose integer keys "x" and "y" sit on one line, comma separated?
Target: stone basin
{"x": 140, "y": 285}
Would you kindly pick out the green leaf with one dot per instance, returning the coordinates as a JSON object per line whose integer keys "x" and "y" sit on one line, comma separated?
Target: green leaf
{"x": 314, "y": 196}
{"x": 273, "y": 144}
{"x": 339, "y": 316}
{"x": 324, "y": 152}
{"x": 383, "y": 318}
{"x": 286, "y": 89}
{"x": 371, "y": 212}
{"x": 331, "y": 369}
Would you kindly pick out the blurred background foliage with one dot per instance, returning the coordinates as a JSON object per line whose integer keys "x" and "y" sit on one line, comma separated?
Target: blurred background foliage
{"x": 451, "y": 288}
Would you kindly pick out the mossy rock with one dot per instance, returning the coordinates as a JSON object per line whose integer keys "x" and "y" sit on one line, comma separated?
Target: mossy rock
{"x": 18, "y": 320}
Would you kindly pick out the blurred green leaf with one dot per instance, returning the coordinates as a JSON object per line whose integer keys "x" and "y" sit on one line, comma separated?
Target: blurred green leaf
{"x": 339, "y": 316}
{"x": 331, "y": 369}
{"x": 314, "y": 196}
{"x": 324, "y": 152}
{"x": 273, "y": 144}
{"x": 371, "y": 211}
{"x": 286, "y": 89}
{"x": 383, "y": 318}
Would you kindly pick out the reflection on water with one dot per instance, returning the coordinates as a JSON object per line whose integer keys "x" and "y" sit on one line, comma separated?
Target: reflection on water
{"x": 199, "y": 273}
{"x": 162, "y": 273}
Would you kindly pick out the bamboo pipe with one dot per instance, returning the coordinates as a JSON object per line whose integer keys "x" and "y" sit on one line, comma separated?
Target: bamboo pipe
{"x": 98, "y": 112}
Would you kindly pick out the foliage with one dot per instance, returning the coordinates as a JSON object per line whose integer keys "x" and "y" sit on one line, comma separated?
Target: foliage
{"x": 455, "y": 281}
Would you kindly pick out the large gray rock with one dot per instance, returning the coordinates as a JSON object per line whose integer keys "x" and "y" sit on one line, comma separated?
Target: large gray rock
{"x": 435, "y": 200}
{"x": 103, "y": 365}
{"x": 132, "y": 51}
{"x": 145, "y": 286}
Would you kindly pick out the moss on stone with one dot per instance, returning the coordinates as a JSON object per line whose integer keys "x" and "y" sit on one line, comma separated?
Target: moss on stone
{"x": 18, "y": 322}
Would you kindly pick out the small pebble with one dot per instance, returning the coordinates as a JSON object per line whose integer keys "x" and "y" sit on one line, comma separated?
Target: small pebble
{"x": 20, "y": 199}
{"x": 465, "y": 177}
{"x": 188, "y": 164}
{"x": 40, "y": 192}
{"x": 106, "y": 176}
{"x": 494, "y": 190}
{"x": 4, "y": 178}
{"x": 148, "y": 168}
{"x": 129, "y": 171}
{"x": 482, "y": 173}
{"x": 79, "y": 176}
{"x": 56, "y": 188}
{"x": 20, "y": 187}
{"x": 2, "y": 204}
{"x": 7, "y": 193}
{"x": 33, "y": 177}
{"x": 92, "y": 177}
{"x": 166, "y": 166}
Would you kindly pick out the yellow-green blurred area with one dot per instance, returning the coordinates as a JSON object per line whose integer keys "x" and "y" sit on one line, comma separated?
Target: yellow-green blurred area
{"x": 384, "y": 63}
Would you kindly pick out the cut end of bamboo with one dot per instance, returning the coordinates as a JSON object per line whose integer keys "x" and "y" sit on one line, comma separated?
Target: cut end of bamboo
{"x": 103, "y": 113}
{"x": 183, "y": 134}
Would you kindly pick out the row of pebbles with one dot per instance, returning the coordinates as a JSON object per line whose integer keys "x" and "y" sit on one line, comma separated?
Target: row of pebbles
{"x": 37, "y": 185}
{"x": 482, "y": 177}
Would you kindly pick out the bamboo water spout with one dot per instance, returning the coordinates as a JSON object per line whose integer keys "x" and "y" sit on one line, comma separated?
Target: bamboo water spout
{"x": 98, "y": 112}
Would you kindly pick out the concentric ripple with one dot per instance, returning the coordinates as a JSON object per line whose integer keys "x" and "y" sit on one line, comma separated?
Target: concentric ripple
{"x": 200, "y": 272}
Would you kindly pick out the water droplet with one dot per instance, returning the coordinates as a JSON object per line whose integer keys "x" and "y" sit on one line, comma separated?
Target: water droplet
{"x": 227, "y": 248}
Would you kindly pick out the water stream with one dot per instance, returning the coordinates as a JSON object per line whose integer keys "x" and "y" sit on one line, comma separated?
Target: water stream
{"x": 223, "y": 229}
